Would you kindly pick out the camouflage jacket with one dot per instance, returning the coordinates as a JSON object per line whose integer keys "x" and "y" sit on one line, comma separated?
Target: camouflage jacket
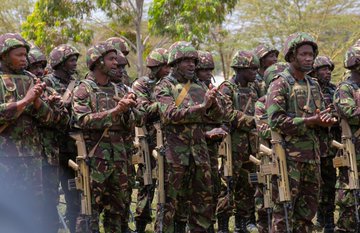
{"x": 240, "y": 111}
{"x": 286, "y": 109}
{"x": 260, "y": 85}
{"x": 20, "y": 136}
{"x": 347, "y": 103}
{"x": 184, "y": 124}
{"x": 261, "y": 120}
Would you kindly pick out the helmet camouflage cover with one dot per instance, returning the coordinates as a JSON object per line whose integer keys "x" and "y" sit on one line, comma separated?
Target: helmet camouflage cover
{"x": 271, "y": 72}
{"x": 321, "y": 61}
{"x": 98, "y": 51}
{"x": 296, "y": 40}
{"x": 36, "y": 55}
{"x": 120, "y": 44}
{"x": 206, "y": 60}
{"x": 180, "y": 50}
{"x": 60, "y": 53}
{"x": 352, "y": 57}
{"x": 263, "y": 49}
{"x": 157, "y": 57}
{"x": 245, "y": 59}
{"x": 10, "y": 41}
{"x": 120, "y": 58}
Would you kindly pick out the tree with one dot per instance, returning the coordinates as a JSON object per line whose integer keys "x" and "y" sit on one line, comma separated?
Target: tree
{"x": 333, "y": 23}
{"x": 12, "y": 14}
{"x": 54, "y": 22}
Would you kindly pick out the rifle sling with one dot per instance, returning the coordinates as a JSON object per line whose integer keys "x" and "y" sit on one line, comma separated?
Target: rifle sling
{"x": 182, "y": 94}
{"x": 92, "y": 151}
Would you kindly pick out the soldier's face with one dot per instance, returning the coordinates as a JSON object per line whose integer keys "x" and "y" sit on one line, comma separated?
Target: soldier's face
{"x": 323, "y": 74}
{"x": 70, "y": 64}
{"x": 164, "y": 71}
{"x": 269, "y": 60}
{"x": 110, "y": 64}
{"x": 37, "y": 69}
{"x": 205, "y": 75}
{"x": 248, "y": 74}
{"x": 304, "y": 58}
{"x": 186, "y": 68}
{"x": 16, "y": 59}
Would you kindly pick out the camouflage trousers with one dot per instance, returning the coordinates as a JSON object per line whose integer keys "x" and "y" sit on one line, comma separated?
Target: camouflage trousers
{"x": 21, "y": 195}
{"x": 264, "y": 214}
{"x": 345, "y": 199}
{"x": 241, "y": 199}
{"x": 186, "y": 187}
{"x": 304, "y": 181}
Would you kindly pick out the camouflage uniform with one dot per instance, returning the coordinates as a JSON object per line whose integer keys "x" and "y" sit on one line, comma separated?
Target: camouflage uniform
{"x": 264, "y": 134}
{"x": 261, "y": 52}
{"x": 144, "y": 90}
{"x": 57, "y": 138}
{"x": 20, "y": 157}
{"x": 109, "y": 164}
{"x": 347, "y": 102}
{"x": 325, "y": 214}
{"x": 286, "y": 111}
{"x": 240, "y": 109}
{"x": 187, "y": 170}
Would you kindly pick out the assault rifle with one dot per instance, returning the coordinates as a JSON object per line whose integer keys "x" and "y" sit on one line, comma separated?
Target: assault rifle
{"x": 225, "y": 152}
{"x": 82, "y": 178}
{"x": 158, "y": 153}
{"x": 347, "y": 159}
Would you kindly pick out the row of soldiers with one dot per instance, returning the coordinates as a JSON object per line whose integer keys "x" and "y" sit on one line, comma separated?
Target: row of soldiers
{"x": 41, "y": 114}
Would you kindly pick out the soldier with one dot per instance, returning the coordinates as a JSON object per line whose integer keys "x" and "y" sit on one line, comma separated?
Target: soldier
{"x": 323, "y": 66}
{"x": 263, "y": 129}
{"x": 120, "y": 44}
{"x": 293, "y": 105}
{"x": 20, "y": 157}
{"x": 37, "y": 61}
{"x": 63, "y": 62}
{"x": 183, "y": 102}
{"x": 267, "y": 56}
{"x": 214, "y": 132}
{"x": 102, "y": 120}
{"x": 240, "y": 109}
{"x": 144, "y": 90}
{"x": 347, "y": 102}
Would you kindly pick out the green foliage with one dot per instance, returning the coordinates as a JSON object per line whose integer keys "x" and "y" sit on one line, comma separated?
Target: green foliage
{"x": 12, "y": 14}
{"x": 54, "y": 22}
{"x": 191, "y": 21}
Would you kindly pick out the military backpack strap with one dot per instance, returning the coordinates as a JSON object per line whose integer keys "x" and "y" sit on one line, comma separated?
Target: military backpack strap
{"x": 92, "y": 151}
{"x": 67, "y": 94}
{"x": 182, "y": 94}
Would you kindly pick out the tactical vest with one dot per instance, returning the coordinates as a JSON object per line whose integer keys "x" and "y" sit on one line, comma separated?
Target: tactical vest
{"x": 14, "y": 87}
{"x": 328, "y": 94}
{"x": 301, "y": 103}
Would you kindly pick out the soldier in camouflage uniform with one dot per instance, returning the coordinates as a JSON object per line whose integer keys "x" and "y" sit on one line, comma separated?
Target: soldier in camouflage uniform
{"x": 144, "y": 89}
{"x": 264, "y": 134}
{"x": 347, "y": 103}
{"x": 20, "y": 157}
{"x": 50, "y": 145}
{"x": 214, "y": 132}
{"x": 240, "y": 109}
{"x": 102, "y": 120}
{"x": 120, "y": 44}
{"x": 267, "y": 56}
{"x": 184, "y": 102}
{"x": 61, "y": 148}
{"x": 293, "y": 102}
{"x": 322, "y": 68}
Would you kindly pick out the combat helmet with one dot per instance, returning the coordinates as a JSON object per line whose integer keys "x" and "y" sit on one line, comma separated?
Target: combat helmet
{"x": 245, "y": 59}
{"x": 10, "y": 41}
{"x": 297, "y": 39}
{"x": 60, "y": 53}
{"x": 120, "y": 58}
{"x": 321, "y": 61}
{"x": 157, "y": 57}
{"x": 206, "y": 60}
{"x": 264, "y": 49}
{"x": 352, "y": 57}
{"x": 120, "y": 44}
{"x": 35, "y": 55}
{"x": 180, "y": 50}
{"x": 271, "y": 72}
{"x": 98, "y": 51}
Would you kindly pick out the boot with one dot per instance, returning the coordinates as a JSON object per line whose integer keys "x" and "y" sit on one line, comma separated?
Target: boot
{"x": 329, "y": 222}
{"x": 179, "y": 227}
{"x": 223, "y": 224}
{"x": 251, "y": 224}
{"x": 140, "y": 226}
{"x": 240, "y": 224}
{"x": 320, "y": 220}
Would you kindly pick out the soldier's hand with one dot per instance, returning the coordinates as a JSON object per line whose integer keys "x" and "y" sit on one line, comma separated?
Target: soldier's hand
{"x": 210, "y": 97}
{"x": 217, "y": 133}
{"x": 125, "y": 104}
{"x": 322, "y": 118}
